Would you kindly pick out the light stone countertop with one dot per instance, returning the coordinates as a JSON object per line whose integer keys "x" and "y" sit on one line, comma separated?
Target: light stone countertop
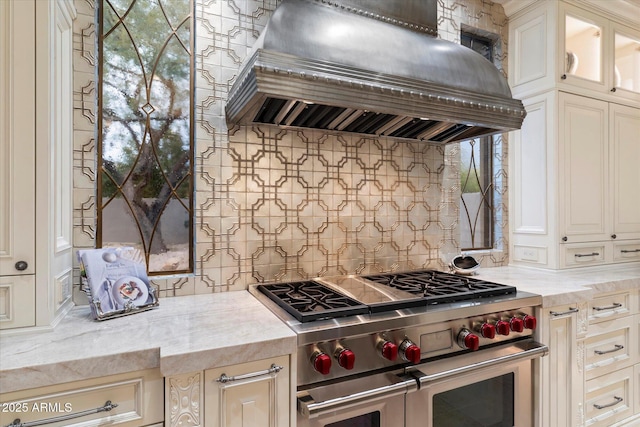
{"x": 184, "y": 334}
{"x": 566, "y": 286}
{"x": 194, "y": 333}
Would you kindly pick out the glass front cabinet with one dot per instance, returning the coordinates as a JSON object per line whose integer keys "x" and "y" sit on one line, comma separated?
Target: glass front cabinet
{"x": 598, "y": 53}
{"x": 559, "y": 44}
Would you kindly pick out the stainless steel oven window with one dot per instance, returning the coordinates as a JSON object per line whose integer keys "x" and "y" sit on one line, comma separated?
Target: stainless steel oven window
{"x": 488, "y": 403}
{"x": 478, "y": 195}
{"x": 371, "y": 419}
{"x": 145, "y": 130}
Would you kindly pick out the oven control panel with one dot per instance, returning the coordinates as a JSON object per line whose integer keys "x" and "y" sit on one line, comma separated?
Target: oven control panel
{"x": 350, "y": 355}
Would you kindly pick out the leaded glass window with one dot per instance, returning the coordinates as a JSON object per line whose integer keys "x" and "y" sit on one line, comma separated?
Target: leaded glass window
{"x": 145, "y": 130}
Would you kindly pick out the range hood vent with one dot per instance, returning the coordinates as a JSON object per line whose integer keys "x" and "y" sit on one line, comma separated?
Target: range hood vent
{"x": 368, "y": 67}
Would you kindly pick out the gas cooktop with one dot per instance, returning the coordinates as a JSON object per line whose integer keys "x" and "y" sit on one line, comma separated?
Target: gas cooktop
{"x": 328, "y": 298}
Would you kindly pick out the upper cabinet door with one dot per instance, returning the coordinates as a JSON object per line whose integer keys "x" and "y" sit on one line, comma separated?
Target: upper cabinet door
{"x": 17, "y": 166}
{"x": 625, "y": 171}
{"x": 626, "y": 62}
{"x": 582, "y": 54}
{"x": 583, "y": 169}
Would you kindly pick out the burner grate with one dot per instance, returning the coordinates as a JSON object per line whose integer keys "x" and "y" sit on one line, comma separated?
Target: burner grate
{"x": 308, "y": 300}
{"x": 437, "y": 287}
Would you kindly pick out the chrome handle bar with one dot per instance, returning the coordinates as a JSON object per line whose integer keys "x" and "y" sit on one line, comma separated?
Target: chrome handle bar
{"x": 104, "y": 408}
{"x": 308, "y": 407}
{"x": 534, "y": 350}
{"x": 224, "y": 378}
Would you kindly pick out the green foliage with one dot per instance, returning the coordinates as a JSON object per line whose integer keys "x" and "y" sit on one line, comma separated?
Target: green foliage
{"x": 469, "y": 181}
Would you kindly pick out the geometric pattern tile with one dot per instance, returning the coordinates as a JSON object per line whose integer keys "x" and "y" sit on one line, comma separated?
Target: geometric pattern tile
{"x": 274, "y": 204}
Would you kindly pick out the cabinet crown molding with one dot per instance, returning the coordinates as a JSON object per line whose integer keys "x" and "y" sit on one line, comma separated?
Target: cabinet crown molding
{"x": 624, "y": 11}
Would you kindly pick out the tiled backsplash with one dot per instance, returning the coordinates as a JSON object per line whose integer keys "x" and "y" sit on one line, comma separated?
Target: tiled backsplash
{"x": 275, "y": 204}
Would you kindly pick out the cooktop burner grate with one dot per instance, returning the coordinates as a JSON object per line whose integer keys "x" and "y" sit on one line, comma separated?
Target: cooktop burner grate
{"x": 437, "y": 287}
{"x": 308, "y": 300}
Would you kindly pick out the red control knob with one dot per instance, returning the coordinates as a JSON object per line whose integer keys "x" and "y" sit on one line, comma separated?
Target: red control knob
{"x": 410, "y": 352}
{"x": 488, "y": 330}
{"x": 530, "y": 322}
{"x": 346, "y": 358}
{"x": 389, "y": 350}
{"x": 516, "y": 324}
{"x": 502, "y": 327}
{"x": 321, "y": 362}
{"x": 467, "y": 340}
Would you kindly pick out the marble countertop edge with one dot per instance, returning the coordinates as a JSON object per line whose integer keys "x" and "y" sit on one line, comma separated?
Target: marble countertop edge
{"x": 183, "y": 363}
{"x": 560, "y": 287}
{"x": 83, "y": 368}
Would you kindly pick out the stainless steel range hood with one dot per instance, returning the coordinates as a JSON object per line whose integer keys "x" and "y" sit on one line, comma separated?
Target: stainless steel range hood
{"x": 371, "y": 67}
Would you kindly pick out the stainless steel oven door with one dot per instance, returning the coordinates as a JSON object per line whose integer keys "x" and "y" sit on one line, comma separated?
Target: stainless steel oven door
{"x": 492, "y": 387}
{"x": 372, "y": 401}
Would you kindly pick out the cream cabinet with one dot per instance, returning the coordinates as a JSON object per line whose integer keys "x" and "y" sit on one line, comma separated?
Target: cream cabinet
{"x": 574, "y": 197}
{"x": 36, "y": 213}
{"x": 611, "y": 357}
{"x": 598, "y": 53}
{"x": 127, "y": 400}
{"x": 254, "y": 394}
{"x": 17, "y": 212}
{"x": 575, "y": 46}
{"x": 624, "y": 147}
{"x": 574, "y": 183}
{"x": 560, "y": 401}
{"x": 591, "y": 375}
{"x": 583, "y": 172}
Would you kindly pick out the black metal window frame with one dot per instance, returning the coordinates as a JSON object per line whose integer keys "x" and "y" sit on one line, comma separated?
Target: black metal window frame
{"x": 483, "y": 43}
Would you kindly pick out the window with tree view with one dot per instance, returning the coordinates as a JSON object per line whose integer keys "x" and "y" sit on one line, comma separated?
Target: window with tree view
{"x": 145, "y": 131}
{"x": 476, "y": 171}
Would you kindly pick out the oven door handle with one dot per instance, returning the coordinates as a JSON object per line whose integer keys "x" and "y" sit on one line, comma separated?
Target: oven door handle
{"x": 309, "y": 408}
{"x": 524, "y": 350}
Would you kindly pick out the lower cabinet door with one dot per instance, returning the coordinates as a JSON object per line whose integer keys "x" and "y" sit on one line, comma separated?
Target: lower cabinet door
{"x": 255, "y": 394}
{"x": 17, "y": 301}
{"x": 127, "y": 400}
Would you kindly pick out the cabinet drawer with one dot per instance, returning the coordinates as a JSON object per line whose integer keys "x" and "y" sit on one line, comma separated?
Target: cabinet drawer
{"x": 610, "y": 346}
{"x": 626, "y": 251}
{"x": 139, "y": 396}
{"x": 609, "y": 398}
{"x": 609, "y": 306}
{"x": 584, "y": 254}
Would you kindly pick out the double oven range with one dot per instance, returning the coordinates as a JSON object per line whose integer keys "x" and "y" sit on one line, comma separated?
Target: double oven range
{"x": 413, "y": 349}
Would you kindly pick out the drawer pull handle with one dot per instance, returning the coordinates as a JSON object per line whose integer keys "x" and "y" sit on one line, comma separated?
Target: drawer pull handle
{"x": 617, "y": 347}
{"x": 104, "y": 408}
{"x": 562, "y": 313}
{"x": 627, "y": 251}
{"x": 274, "y": 369}
{"x": 583, "y": 255}
{"x": 610, "y": 307}
{"x": 608, "y": 405}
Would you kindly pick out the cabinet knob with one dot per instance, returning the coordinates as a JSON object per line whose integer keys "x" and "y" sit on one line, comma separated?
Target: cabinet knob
{"x": 565, "y": 238}
{"x": 613, "y": 89}
{"x": 563, "y": 77}
{"x": 21, "y": 265}
{"x": 613, "y": 236}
